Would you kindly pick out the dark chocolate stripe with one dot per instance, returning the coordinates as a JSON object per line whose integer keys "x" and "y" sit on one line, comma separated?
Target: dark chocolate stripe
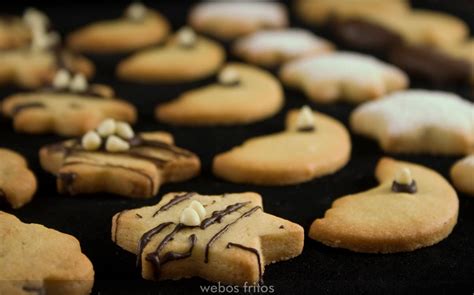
{"x": 176, "y": 200}
{"x": 37, "y": 290}
{"x": 146, "y": 238}
{"x": 224, "y": 229}
{"x": 217, "y": 216}
{"x": 138, "y": 141}
{"x": 171, "y": 256}
{"x": 252, "y": 250}
{"x": 21, "y": 107}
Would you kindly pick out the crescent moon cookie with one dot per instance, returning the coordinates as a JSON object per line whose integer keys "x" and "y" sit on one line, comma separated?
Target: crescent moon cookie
{"x": 231, "y": 19}
{"x": 418, "y": 121}
{"x": 69, "y": 107}
{"x": 345, "y": 76}
{"x": 139, "y": 27}
{"x": 39, "y": 260}
{"x": 270, "y": 48}
{"x": 313, "y": 145}
{"x": 462, "y": 174}
{"x": 242, "y": 94}
{"x": 319, "y": 12}
{"x": 113, "y": 159}
{"x": 413, "y": 207}
{"x": 227, "y": 238}
{"x": 17, "y": 182}
{"x": 184, "y": 57}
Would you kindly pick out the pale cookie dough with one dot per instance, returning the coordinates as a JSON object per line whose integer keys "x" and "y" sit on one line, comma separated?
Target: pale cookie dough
{"x": 17, "y": 182}
{"x": 320, "y": 12}
{"x": 418, "y": 121}
{"x": 232, "y": 19}
{"x": 226, "y": 238}
{"x": 113, "y": 159}
{"x": 65, "y": 110}
{"x": 312, "y": 145}
{"x": 139, "y": 27}
{"x": 242, "y": 94}
{"x": 462, "y": 175}
{"x": 347, "y": 76}
{"x": 184, "y": 57}
{"x": 270, "y": 48}
{"x": 391, "y": 217}
{"x": 39, "y": 260}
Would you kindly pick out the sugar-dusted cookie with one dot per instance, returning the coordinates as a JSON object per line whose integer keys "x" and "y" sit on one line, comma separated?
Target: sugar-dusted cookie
{"x": 184, "y": 57}
{"x": 231, "y": 19}
{"x": 348, "y": 76}
{"x": 39, "y": 260}
{"x": 418, "y": 121}
{"x": 321, "y": 11}
{"x": 114, "y": 159}
{"x": 139, "y": 27}
{"x": 17, "y": 182}
{"x": 462, "y": 174}
{"x": 411, "y": 208}
{"x": 69, "y": 107}
{"x": 242, "y": 94}
{"x": 312, "y": 145}
{"x": 270, "y": 48}
{"x": 226, "y": 238}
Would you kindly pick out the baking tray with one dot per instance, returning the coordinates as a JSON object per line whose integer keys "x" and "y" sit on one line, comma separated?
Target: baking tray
{"x": 444, "y": 267}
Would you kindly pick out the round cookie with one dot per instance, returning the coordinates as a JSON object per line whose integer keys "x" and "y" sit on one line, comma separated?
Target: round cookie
{"x": 184, "y": 57}
{"x": 418, "y": 121}
{"x": 407, "y": 211}
{"x": 232, "y": 19}
{"x": 462, "y": 175}
{"x": 312, "y": 145}
{"x": 348, "y": 76}
{"x": 139, "y": 27}
{"x": 270, "y": 48}
{"x": 39, "y": 260}
{"x": 17, "y": 182}
{"x": 243, "y": 94}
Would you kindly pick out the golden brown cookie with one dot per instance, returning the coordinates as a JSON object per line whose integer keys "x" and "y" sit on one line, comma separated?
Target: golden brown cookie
{"x": 225, "y": 238}
{"x": 242, "y": 94}
{"x": 39, "y": 260}
{"x": 184, "y": 57}
{"x": 413, "y": 207}
{"x": 14, "y": 32}
{"x": 17, "y": 182}
{"x": 312, "y": 145}
{"x": 462, "y": 175}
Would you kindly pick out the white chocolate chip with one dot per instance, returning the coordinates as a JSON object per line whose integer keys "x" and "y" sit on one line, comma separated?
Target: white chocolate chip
{"x": 115, "y": 144}
{"x": 78, "y": 83}
{"x": 61, "y": 79}
{"x": 305, "y": 120}
{"x": 136, "y": 11}
{"x": 107, "y": 127}
{"x": 189, "y": 217}
{"x": 186, "y": 37}
{"x": 124, "y": 130}
{"x": 228, "y": 76}
{"x": 404, "y": 176}
{"x": 35, "y": 19}
{"x": 199, "y": 208}
{"x": 91, "y": 141}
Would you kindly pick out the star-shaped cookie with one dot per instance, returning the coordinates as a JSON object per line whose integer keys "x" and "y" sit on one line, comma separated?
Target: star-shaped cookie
{"x": 114, "y": 159}
{"x": 64, "y": 111}
{"x": 418, "y": 121}
{"x": 348, "y": 76}
{"x": 407, "y": 211}
{"x": 17, "y": 182}
{"x": 225, "y": 238}
{"x": 312, "y": 145}
{"x": 39, "y": 260}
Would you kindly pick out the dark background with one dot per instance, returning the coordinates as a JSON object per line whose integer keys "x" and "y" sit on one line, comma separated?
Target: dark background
{"x": 445, "y": 267}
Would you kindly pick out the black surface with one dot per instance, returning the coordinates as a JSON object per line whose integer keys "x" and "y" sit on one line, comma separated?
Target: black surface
{"x": 444, "y": 267}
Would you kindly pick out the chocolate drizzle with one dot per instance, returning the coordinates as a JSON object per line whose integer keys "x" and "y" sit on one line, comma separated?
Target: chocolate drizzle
{"x": 146, "y": 238}
{"x": 217, "y": 216}
{"x": 404, "y": 188}
{"x": 307, "y": 129}
{"x": 170, "y": 256}
{"x": 224, "y": 229}
{"x": 252, "y": 250}
{"x": 176, "y": 200}
{"x": 37, "y": 290}
{"x": 21, "y": 107}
